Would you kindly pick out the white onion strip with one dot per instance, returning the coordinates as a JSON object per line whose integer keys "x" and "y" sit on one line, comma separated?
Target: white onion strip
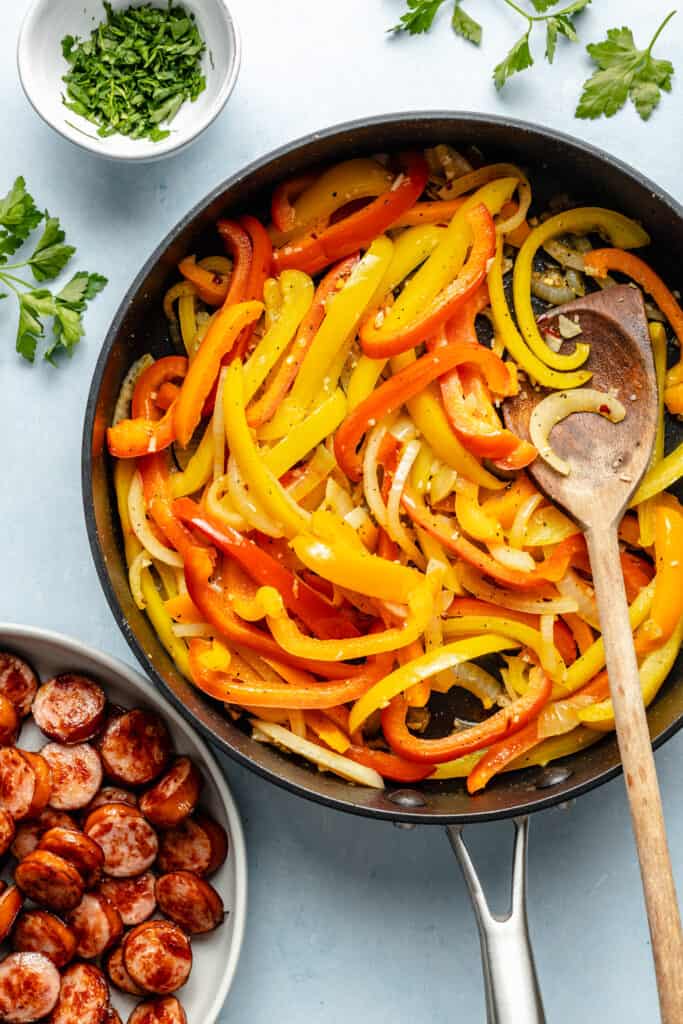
{"x": 218, "y": 428}
{"x": 373, "y": 494}
{"x": 520, "y": 523}
{"x": 123, "y": 402}
{"x": 190, "y": 629}
{"x": 557, "y": 406}
{"x": 572, "y": 586}
{"x": 245, "y": 504}
{"x": 326, "y": 759}
{"x": 512, "y": 558}
{"x": 140, "y": 562}
{"x": 141, "y": 528}
{"x": 395, "y": 527}
{"x": 473, "y": 583}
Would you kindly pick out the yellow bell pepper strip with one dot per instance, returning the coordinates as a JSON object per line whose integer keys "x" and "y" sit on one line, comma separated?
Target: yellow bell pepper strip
{"x": 468, "y": 606}
{"x": 314, "y": 251}
{"x": 356, "y": 569}
{"x": 600, "y": 261}
{"x": 379, "y": 341}
{"x": 653, "y": 672}
{"x": 498, "y": 726}
{"x": 163, "y": 624}
{"x": 411, "y": 248}
{"x": 408, "y": 675}
{"x": 320, "y": 423}
{"x": 342, "y": 315}
{"x": 124, "y": 472}
{"x": 445, "y": 261}
{"x": 327, "y": 731}
{"x": 619, "y": 229}
{"x": 363, "y": 379}
{"x": 667, "y": 603}
{"x": 284, "y": 376}
{"x": 281, "y": 204}
{"x": 297, "y": 296}
{"x": 198, "y": 470}
{"x": 515, "y": 344}
{"x": 646, "y": 510}
{"x": 557, "y": 746}
{"x": 527, "y": 636}
{"x": 403, "y": 386}
{"x": 211, "y": 286}
{"x": 659, "y": 477}
{"x": 262, "y": 482}
{"x": 205, "y": 367}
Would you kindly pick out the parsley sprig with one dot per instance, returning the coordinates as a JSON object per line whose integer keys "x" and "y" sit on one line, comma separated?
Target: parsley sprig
{"x": 19, "y": 217}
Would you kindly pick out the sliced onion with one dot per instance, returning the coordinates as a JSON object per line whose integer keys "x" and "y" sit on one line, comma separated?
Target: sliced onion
{"x": 183, "y": 629}
{"x": 561, "y": 716}
{"x": 403, "y": 429}
{"x": 246, "y": 506}
{"x": 512, "y": 558}
{"x": 395, "y": 527}
{"x": 477, "y": 681}
{"x": 548, "y": 526}
{"x": 572, "y": 586}
{"x": 473, "y": 582}
{"x": 371, "y": 488}
{"x": 220, "y": 506}
{"x": 555, "y": 294}
{"x": 141, "y": 528}
{"x": 140, "y": 562}
{"x": 503, "y": 227}
{"x": 325, "y": 759}
{"x": 442, "y": 482}
{"x": 123, "y": 402}
{"x": 557, "y": 406}
{"x": 548, "y": 649}
{"x": 337, "y": 498}
{"x": 520, "y": 524}
{"x": 564, "y": 254}
{"x": 218, "y": 428}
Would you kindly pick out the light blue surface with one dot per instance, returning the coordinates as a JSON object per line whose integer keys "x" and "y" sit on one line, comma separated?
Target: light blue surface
{"x": 349, "y": 920}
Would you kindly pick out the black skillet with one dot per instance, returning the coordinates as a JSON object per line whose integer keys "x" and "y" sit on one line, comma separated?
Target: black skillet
{"x": 557, "y": 164}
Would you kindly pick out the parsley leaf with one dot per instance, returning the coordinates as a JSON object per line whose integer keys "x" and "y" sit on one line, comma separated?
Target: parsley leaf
{"x": 18, "y": 217}
{"x": 50, "y": 255}
{"x": 624, "y": 72}
{"x": 70, "y": 303}
{"x": 418, "y": 18}
{"x": 464, "y": 25}
{"x": 518, "y": 59}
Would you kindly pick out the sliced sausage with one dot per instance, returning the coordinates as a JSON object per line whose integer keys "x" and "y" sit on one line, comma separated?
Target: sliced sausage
{"x": 43, "y": 787}
{"x": 29, "y": 987}
{"x": 8, "y": 831}
{"x": 157, "y": 956}
{"x": 190, "y": 902}
{"x": 96, "y": 924}
{"x": 29, "y": 832}
{"x": 11, "y": 902}
{"x": 158, "y": 1011}
{"x": 76, "y": 775}
{"x": 70, "y": 708}
{"x": 81, "y": 851}
{"x": 83, "y": 997}
{"x": 111, "y": 795}
{"x": 119, "y": 976}
{"x": 129, "y": 843}
{"x": 175, "y": 795}
{"x": 18, "y": 682}
{"x": 48, "y": 879}
{"x": 17, "y": 783}
{"x": 134, "y": 898}
{"x": 135, "y": 747}
{"x": 199, "y": 844}
{"x": 38, "y": 931}
{"x": 9, "y": 722}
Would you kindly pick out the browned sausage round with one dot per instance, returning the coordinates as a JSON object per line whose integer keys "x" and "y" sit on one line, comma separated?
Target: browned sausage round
{"x": 29, "y": 832}
{"x": 174, "y": 797}
{"x": 18, "y": 682}
{"x": 158, "y": 1011}
{"x": 157, "y": 956}
{"x": 81, "y": 851}
{"x": 111, "y": 795}
{"x": 48, "y": 879}
{"x": 83, "y": 997}
{"x": 9, "y": 722}
{"x": 17, "y": 783}
{"x": 43, "y": 788}
{"x": 96, "y": 924}
{"x": 190, "y": 902}
{"x": 119, "y": 976}
{"x": 38, "y": 931}
{"x": 135, "y": 747}
{"x": 76, "y": 775}
{"x": 29, "y": 987}
{"x": 11, "y": 902}
{"x": 199, "y": 844}
{"x": 7, "y": 831}
{"x": 69, "y": 708}
{"x": 129, "y": 843}
{"x": 134, "y": 898}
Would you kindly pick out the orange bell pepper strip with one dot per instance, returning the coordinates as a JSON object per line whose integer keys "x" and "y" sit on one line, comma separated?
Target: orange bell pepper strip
{"x": 410, "y": 381}
{"x": 500, "y": 755}
{"x": 600, "y": 261}
{"x": 518, "y": 235}
{"x": 667, "y": 603}
{"x": 219, "y": 340}
{"x": 504, "y": 506}
{"x": 214, "y": 604}
{"x": 316, "y": 250}
{"x": 319, "y": 615}
{"x": 162, "y": 371}
{"x": 377, "y": 344}
{"x": 503, "y": 723}
{"x": 211, "y": 286}
{"x": 166, "y": 395}
{"x": 438, "y": 212}
{"x": 238, "y": 244}
{"x": 562, "y": 635}
{"x": 389, "y": 766}
{"x": 480, "y": 425}
{"x": 261, "y": 410}
{"x": 259, "y": 271}
{"x": 581, "y": 631}
{"x": 282, "y": 213}
{"x": 131, "y": 439}
{"x": 158, "y": 499}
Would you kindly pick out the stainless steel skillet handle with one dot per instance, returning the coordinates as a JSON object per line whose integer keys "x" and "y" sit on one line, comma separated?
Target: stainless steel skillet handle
{"x": 513, "y": 995}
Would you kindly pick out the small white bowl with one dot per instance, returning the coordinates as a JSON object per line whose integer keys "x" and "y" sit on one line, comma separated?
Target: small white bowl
{"x": 41, "y": 67}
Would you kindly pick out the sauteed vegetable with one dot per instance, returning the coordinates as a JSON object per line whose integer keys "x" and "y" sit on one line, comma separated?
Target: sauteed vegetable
{"x": 325, "y": 518}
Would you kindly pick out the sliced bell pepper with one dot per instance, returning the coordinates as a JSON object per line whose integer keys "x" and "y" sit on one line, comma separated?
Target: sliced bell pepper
{"x": 503, "y": 723}
{"x": 238, "y": 244}
{"x": 259, "y": 271}
{"x": 659, "y": 477}
{"x": 320, "y": 423}
{"x": 150, "y": 380}
{"x": 389, "y": 766}
{"x": 477, "y": 424}
{"x": 163, "y": 624}
{"x": 315, "y": 251}
{"x": 667, "y": 603}
{"x": 520, "y": 632}
{"x": 621, "y": 230}
{"x": 378, "y": 342}
{"x": 221, "y": 336}
{"x": 439, "y": 211}
{"x": 466, "y": 606}
{"x": 130, "y": 439}
{"x": 282, "y": 211}
{"x": 211, "y": 286}
{"x": 356, "y": 569}
{"x": 297, "y": 295}
{"x": 499, "y": 755}
{"x": 156, "y": 486}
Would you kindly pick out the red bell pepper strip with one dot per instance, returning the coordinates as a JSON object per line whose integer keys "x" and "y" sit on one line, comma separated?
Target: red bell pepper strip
{"x": 282, "y": 213}
{"x": 314, "y": 611}
{"x": 500, "y": 755}
{"x": 378, "y": 344}
{"x": 316, "y": 250}
{"x": 211, "y": 286}
{"x": 147, "y": 386}
{"x": 389, "y": 766}
{"x": 440, "y": 211}
{"x": 238, "y": 245}
{"x": 262, "y": 409}
{"x": 404, "y": 385}
{"x": 259, "y": 271}
{"x": 214, "y": 604}
{"x": 503, "y": 723}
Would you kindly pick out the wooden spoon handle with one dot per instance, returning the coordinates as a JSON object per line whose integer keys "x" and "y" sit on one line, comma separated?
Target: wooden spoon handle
{"x": 637, "y": 759}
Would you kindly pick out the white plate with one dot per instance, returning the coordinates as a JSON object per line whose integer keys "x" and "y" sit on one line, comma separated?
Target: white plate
{"x": 215, "y": 954}
{"x": 41, "y": 67}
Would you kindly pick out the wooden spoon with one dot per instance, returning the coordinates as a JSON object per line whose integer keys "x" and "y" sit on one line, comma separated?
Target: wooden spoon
{"x": 607, "y": 461}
